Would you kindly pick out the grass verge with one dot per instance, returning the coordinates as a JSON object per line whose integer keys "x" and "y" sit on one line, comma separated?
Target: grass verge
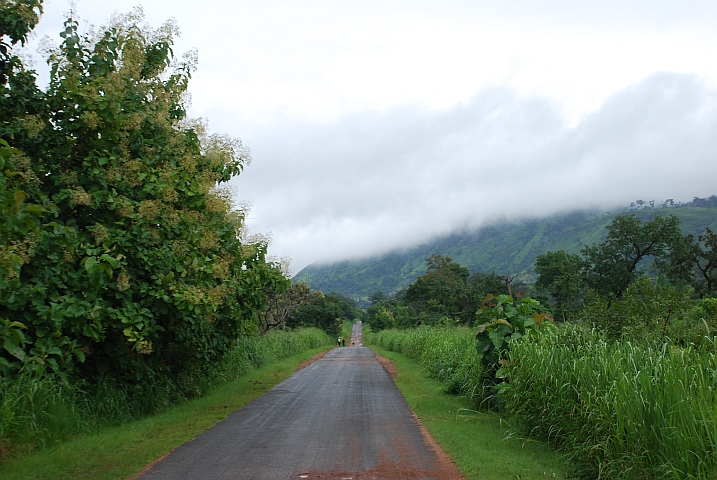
{"x": 123, "y": 452}
{"x": 476, "y": 441}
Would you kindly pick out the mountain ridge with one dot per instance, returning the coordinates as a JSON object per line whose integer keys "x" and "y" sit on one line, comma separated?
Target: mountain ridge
{"x": 506, "y": 248}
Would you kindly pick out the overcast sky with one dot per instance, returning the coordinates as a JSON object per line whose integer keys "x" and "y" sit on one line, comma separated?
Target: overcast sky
{"x": 380, "y": 124}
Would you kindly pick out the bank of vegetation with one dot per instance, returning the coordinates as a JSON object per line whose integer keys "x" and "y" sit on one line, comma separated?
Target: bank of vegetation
{"x": 622, "y": 379}
{"x": 128, "y": 281}
{"x": 42, "y": 411}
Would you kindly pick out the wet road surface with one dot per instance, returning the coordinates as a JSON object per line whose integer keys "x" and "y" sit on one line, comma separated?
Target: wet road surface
{"x": 341, "y": 417}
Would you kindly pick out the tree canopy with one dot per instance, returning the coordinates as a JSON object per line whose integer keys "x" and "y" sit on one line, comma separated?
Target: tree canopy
{"x": 447, "y": 291}
{"x": 325, "y": 311}
{"x": 121, "y": 253}
{"x": 561, "y": 274}
{"x": 694, "y": 262}
{"x": 609, "y": 268}
{"x": 612, "y": 265}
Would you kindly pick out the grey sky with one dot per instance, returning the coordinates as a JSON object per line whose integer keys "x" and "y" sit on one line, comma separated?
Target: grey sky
{"x": 376, "y": 125}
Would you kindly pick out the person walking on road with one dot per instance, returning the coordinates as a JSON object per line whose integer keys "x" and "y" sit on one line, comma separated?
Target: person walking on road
{"x": 338, "y": 342}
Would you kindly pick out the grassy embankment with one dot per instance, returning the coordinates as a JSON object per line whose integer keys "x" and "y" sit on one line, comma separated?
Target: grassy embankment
{"x": 618, "y": 410}
{"x": 474, "y": 440}
{"x": 122, "y": 451}
{"x": 622, "y": 410}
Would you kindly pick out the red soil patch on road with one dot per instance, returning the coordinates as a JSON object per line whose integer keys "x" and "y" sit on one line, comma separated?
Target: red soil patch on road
{"x": 390, "y": 470}
{"x": 393, "y": 471}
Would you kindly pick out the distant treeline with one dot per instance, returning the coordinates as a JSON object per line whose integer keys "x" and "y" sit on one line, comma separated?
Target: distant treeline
{"x": 709, "y": 202}
{"x": 506, "y": 248}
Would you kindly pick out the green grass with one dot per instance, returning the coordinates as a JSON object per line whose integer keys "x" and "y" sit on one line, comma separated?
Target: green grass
{"x": 624, "y": 410}
{"x": 123, "y": 452}
{"x": 38, "y": 412}
{"x": 445, "y": 354}
{"x": 476, "y": 441}
{"x": 616, "y": 410}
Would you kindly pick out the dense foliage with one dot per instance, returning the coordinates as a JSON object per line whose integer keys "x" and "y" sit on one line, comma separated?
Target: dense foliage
{"x": 626, "y": 388}
{"x": 631, "y": 249}
{"x": 502, "y": 321}
{"x": 449, "y": 290}
{"x": 612, "y": 265}
{"x": 447, "y": 354}
{"x": 621, "y": 410}
{"x": 446, "y": 294}
{"x": 328, "y": 312}
{"x": 694, "y": 261}
{"x": 618, "y": 410}
{"x": 120, "y": 255}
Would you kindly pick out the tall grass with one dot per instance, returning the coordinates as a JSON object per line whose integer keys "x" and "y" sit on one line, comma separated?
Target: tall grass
{"x": 446, "y": 354}
{"x": 623, "y": 410}
{"x": 37, "y": 412}
{"x": 259, "y": 351}
{"x": 619, "y": 410}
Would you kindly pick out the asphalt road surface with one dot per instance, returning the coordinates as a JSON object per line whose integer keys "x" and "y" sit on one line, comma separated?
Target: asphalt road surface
{"x": 341, "y": 417}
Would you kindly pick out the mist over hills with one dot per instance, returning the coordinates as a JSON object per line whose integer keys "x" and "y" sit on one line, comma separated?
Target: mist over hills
{"x": 506, "y": 248}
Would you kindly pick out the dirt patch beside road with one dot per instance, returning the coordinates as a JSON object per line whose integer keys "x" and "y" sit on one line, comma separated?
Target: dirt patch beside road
{"x": 388, "y": 365}
{"x": 311, "y": 360}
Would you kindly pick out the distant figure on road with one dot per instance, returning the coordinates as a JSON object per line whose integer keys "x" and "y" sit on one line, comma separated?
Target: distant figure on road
{"x": 338, "y": 342}
{"x": 352, "y": 343}
{"x": 343, "y": 342}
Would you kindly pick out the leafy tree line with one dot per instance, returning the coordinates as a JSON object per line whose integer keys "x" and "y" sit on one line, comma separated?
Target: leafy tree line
{"x": 632, "y": 248}
{"x": 298, "y": 306}
{"x": 709, "y": 202}
{"x": 447, "y": 294}
{"x": 606, "y": 287}
{"x": 120, "y": 253}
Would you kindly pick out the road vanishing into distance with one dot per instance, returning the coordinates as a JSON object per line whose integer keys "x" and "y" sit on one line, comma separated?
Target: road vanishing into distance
{"x": 341, "y": 417}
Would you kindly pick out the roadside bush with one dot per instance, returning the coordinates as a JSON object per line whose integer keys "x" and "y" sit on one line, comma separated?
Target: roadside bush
{"x": 36, "y": 410}
{"x": 647, "y": 310}
{"x": 121, "y": 253}
{"x": 259, "y": 351}
{"x": 697, "y": 325}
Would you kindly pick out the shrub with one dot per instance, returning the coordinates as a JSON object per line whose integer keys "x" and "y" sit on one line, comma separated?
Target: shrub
{"x": 647, "y": 310}
{"x": 120, "y": 254}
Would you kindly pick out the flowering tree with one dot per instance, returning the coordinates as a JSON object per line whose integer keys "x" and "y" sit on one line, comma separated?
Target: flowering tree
{"x": 138, "y": 267}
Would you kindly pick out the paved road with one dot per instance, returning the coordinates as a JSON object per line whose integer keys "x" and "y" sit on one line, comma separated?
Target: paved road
{"x": 341, "y": 417}
{"x": 356, "y": 334}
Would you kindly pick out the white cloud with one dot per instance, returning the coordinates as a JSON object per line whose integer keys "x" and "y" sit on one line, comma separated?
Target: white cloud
{"x": 378, "y": 124}
{"x": 374, "y": 181}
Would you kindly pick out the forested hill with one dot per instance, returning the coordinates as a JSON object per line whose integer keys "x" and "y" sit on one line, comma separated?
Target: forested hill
{"x": 507, "y": 248}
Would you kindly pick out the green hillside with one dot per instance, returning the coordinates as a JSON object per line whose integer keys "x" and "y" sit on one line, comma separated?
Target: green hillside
{"x": 507, "y": 248}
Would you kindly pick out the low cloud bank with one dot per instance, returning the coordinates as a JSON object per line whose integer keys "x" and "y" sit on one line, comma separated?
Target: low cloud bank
{"x": 372, "y": 182}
